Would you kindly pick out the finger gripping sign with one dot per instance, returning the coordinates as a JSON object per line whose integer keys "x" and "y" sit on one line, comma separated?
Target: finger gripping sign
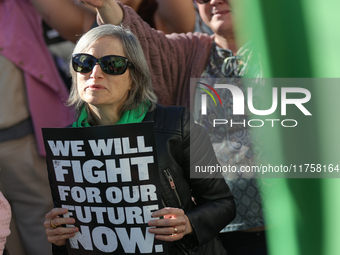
{"x": 107, "y": 178}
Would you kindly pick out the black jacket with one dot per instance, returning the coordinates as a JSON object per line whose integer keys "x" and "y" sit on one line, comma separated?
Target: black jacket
{"x": 179, "y": 142}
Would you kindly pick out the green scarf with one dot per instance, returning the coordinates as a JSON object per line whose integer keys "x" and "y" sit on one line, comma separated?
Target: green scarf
{"x": 131, "y": 116}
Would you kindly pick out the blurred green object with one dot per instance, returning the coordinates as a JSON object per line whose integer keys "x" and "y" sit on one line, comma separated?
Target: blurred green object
{"x": 300, "y": 39}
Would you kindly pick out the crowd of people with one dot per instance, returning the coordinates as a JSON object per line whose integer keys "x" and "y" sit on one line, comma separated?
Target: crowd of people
{"x": 156, "y": 40}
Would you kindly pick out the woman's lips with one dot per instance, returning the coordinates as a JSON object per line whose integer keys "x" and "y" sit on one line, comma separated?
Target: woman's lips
{"x": 95, "y": 87}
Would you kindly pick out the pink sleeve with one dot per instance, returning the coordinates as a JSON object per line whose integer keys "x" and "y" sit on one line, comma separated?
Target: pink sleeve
{"x": 5, "y": 218}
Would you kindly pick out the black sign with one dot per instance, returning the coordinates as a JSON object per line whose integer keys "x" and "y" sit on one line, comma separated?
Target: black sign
{"x": 107, "y": 177}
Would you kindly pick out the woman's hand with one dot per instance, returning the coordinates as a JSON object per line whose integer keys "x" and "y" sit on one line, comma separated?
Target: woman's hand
{"x": 173, "y": 226}
{"x": 57, "y": 234}
{"x": 108, "y": 10}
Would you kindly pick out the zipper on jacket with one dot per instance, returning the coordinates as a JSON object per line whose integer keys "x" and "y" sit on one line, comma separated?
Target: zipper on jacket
{"x": 163, "y": 203}
{"x": 172, "y": 185}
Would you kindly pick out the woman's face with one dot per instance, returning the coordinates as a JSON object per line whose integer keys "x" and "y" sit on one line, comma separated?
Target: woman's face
{"x": 217, "y": 15}
{"x": 98, "y": 88}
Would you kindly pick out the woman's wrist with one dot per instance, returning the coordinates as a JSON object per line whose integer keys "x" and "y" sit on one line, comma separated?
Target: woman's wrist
{"x": 110, "y": 13}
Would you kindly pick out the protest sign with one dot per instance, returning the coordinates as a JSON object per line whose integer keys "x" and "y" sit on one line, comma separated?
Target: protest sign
{"x": 107, "y": 177}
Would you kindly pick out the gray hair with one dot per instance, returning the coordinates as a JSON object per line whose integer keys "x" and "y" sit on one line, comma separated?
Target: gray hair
{"x": 141, "y": 89}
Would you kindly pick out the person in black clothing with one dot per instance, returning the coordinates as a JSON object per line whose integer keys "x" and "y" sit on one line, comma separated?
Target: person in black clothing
{"x": 117, "y": 91}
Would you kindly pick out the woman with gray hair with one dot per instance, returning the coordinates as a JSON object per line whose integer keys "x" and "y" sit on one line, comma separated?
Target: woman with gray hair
{"x": 136, "y": 84}
{"x": 118, "y": 91}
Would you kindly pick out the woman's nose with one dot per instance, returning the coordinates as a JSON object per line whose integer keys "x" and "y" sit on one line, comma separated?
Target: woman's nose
{"x": 97, "y": 72}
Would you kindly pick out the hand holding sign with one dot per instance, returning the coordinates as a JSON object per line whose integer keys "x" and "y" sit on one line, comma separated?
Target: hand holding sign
{"x": 59, "y": 234}
{"x": 173, "y": 219}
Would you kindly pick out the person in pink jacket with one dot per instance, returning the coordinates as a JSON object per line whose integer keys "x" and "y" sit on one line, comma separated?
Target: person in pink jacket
{"x": 32, "y": 96}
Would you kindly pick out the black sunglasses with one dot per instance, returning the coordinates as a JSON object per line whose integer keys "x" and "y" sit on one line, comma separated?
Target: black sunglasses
{"x": 203, "y": 1}
{"x": 111, "y": 64}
